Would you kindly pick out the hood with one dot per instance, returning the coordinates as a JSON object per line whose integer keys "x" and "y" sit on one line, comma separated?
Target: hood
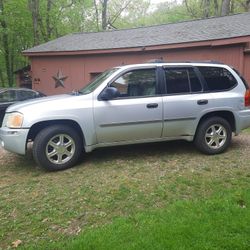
{"x": 47, "y": 103}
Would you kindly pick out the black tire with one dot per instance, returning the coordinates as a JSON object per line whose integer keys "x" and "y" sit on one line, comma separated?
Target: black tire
{"x": 57, "y": 147}
{"x": 213, "y": 136}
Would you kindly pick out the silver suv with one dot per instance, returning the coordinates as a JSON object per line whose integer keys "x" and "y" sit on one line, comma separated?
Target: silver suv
{"x": 200, "y": 102}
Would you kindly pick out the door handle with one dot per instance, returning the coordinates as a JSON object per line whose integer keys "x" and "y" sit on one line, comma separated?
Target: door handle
{"x": 152, "y": 105}
{"x": 202, "y": 102}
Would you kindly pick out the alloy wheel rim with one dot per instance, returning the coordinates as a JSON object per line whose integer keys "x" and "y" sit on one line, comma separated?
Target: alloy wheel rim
{"x": 60, "y": 149}
{"x": 216, "y": 136}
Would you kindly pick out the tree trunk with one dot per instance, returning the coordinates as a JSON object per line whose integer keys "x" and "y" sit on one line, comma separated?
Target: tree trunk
{"x": 34, "y": 8}
{"x": 97, "y": 15}
{"x": 1, "y": 79}
{"x": 104, "y": 14}
{"x": 246, "y": 5}
{"x": 225, "y": 8}
{"x": 48, "y": 24}
{"x": 6, "y": 47}
{"x": 216, "y": 8}
{"x": 206, "y": 8}
{"x": 12, "y": 60}
{"x": 190, "y": 10}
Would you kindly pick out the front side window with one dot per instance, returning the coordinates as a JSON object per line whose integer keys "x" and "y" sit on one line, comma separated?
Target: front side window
{"x": 136, "y": 83}
{"x": 97, "y": 82}
{"x": 218, "y": 78}
{"x": 182, "y": 80}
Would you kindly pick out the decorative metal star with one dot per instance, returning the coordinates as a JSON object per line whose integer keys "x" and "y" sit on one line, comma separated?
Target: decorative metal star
{"x": 59, "y": 79}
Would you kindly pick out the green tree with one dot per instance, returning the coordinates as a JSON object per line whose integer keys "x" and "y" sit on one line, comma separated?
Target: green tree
{"x": 25, "y": 23}
{"x": 14, "y": 37}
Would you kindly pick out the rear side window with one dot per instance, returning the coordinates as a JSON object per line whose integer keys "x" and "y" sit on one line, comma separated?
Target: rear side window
{"x": 182, "y": 80}
{"x": 217, "y": 78}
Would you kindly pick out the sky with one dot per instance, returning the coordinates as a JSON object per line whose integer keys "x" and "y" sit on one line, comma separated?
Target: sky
{"x": 155, "y": 2}
{"x": 158, "y": 1}
{"x": 161, "y": 1}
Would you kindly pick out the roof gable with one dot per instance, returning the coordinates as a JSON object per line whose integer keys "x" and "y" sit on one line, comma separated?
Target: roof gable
{"x": 175, "y": 33}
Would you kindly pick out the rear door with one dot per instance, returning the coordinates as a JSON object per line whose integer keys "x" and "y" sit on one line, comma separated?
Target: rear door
{"x": 184, "y": 102}
{"x": 136, "y": 114}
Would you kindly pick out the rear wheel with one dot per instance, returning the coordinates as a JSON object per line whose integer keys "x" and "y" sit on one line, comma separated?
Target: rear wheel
{"x": 213, "y": 135}
{"x": 57, "y": 147}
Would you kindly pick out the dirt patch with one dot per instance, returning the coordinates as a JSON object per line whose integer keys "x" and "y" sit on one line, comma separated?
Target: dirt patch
{"x": 6, "y": 156}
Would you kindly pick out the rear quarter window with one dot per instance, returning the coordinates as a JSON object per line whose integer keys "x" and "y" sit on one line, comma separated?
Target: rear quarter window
{"x": 218, "y": 79}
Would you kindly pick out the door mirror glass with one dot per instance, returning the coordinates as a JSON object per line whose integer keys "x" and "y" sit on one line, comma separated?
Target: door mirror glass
{"x": 109, "y": 93}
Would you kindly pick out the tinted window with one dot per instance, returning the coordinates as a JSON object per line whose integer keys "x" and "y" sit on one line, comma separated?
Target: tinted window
{"x": 218, "y": 78}
{"x": 182, "y": 80}
{"x": 136, "y": 83}
{"x": 24, "y": 95}
{"x": 8, "y": 96}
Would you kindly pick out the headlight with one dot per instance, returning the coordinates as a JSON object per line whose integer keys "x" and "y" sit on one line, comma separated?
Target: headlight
{"x": 14, "y": 120}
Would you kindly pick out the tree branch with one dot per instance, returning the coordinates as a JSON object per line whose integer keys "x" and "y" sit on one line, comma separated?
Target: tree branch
{"x": 119, "y": 12}
{"x": 97, "y": 15}
{"x": 190, "y": 10}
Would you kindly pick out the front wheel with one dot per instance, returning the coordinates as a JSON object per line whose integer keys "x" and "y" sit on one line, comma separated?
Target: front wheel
{"x": 57, "y": 147}
{"x": 213, "y": 135}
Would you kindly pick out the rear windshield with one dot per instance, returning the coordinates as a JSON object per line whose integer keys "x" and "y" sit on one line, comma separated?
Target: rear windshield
{"x": 217, "y": 78}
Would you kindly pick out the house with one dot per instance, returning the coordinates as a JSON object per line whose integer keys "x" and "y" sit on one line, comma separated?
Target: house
{"x": 71, "y": 61}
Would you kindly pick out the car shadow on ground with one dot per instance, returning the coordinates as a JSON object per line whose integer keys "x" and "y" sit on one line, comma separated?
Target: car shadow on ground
{"x": 171, "y": 148}
{"x": 141, "y": 150}
{"x": 128, "y": 152}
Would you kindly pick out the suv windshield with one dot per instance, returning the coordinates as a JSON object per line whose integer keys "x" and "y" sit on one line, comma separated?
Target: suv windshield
{"x": 97, "y": 81}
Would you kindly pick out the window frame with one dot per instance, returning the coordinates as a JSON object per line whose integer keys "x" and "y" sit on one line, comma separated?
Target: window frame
{"x": 185, "y": 67}
{"x": 157, "y": 79}
{"x": 206, "y": 89}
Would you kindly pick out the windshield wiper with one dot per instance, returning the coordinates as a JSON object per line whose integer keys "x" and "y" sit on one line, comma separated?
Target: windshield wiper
{"x": 75, "y": 92}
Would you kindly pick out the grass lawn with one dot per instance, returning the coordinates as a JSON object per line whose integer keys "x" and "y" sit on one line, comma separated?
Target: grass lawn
{"x": 220, "y": 222}
{"x": 151, "y": 196}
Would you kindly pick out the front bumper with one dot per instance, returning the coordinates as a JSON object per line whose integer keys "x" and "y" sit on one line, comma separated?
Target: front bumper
{"x": 14, "y": 140}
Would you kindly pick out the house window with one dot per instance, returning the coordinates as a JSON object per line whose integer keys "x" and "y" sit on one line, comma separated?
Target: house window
{"x": 94, "y": 75}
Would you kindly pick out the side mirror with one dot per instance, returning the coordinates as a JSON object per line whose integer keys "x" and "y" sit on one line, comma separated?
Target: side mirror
{"x": 109, "y": 93}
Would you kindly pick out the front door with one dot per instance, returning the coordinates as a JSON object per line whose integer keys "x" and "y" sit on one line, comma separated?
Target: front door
{"x": 136, "y": 114}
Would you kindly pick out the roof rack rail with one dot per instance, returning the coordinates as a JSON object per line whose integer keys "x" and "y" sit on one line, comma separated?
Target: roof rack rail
{"x": 156, "y": 61}
{"x": 197, "y": 61}
{"x": 184, "y": 61}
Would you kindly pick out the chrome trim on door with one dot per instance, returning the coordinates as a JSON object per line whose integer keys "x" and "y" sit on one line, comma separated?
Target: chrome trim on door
{"x": 128, "y": 123}
{"x": 180, "y": 119}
